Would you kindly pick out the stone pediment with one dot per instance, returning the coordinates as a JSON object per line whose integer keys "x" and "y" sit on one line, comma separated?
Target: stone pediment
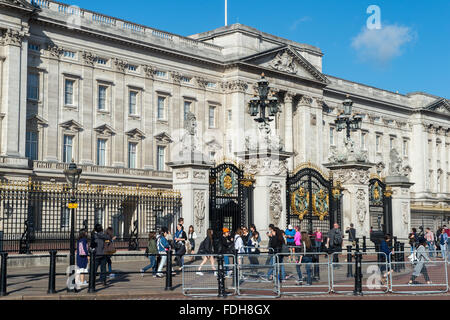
{"x": 22, "y": 4}
{"x": 441, "y": 105}
{"x": 72, "y": 125}
{"x": 106, "y": 130}
{"x": 37, "y": 120}
{"x": 164, "y": 137}
{"x": 287, "y": 60}
{"x": 136, "y": 134}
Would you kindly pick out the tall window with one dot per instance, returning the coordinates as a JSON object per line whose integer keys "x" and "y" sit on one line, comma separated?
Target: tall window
{"x": 363, "y": 140}
{"x": 102, "y": 90}
{"x": 391, "y": 143}
{"x": 187, "y": 108}
{"x": 101, "y": 152}
{"x": 132, "y": 155}
{"x": 68, "y": 92}
{"x": 160, "y": 162}
{"x": 212, "y": 117}
{"x": 230, "y": 115}
{"x": 133, "y": 102}
{"x": 378, "y": 143}
{"x": 331, "y": 136}
{"x": 67, "y": 148}
{"x": 31, "y": 145}
{"x": 161, "y": 105}
{"x": 405, "y": 147}
{"x": 33, "y": 86}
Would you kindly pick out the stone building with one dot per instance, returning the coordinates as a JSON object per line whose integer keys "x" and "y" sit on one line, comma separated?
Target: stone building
{"x": 113, "y": 95}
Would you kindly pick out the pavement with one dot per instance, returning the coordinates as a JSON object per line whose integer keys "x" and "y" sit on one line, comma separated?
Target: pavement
{"x": 31, "y": 283}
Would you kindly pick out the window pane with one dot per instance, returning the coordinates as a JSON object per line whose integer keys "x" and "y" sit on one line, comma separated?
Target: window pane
{"x": 102, "y": 97}
{"x": 67, "y": 149}
{"x": 101, "y": 152}
{"x": 133, "y": 99}
{"x": 31, "y": 145}
{"x": 132, "y": 155}
{"x": 161, "y": 101}
{"x": 187, "y": 109}
{"x": 68, "y": 97}
{"x": 212, "y": 119}
{"x": 33, "y": 86}
{"x": 160, "y": 160}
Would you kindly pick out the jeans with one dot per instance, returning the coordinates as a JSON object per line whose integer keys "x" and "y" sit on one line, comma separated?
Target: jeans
{"x": 443, "y": 250}
{"x": 431, "y": 248}
{"x": 226, "y": 260}
{"x": 307, "y": 261}
{"x": 151, "y": 265}
{"x": 100, "y": 261}
{"x": 282, "y": 269}
{"x": 162, "y": 263}
{"x": 318, "y": 245}
{"x": 109, "y": 263}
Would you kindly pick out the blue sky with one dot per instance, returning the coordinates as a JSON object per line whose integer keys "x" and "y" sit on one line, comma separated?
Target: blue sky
{"x": 411, "y": 51}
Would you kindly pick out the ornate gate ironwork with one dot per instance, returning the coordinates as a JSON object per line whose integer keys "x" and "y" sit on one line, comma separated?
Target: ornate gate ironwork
{"x": 380, "y": 206}
{"x": 230, "y": 197}
{"x": 311, "y": 202}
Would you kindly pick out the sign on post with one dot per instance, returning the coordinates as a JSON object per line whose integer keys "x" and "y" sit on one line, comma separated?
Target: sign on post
{"x": 72, "y": 205}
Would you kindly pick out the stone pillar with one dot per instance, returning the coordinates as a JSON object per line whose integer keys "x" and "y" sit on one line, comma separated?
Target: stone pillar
{"x": 419, "y": 159}
{"x": 288, "y": 127}
{"x": 270, "y": 171}
{"x": 192, "y": 180}
{"x": 401, "y": 205}
{"x": 14, "y": 97}
{"x": 354, "y": 179}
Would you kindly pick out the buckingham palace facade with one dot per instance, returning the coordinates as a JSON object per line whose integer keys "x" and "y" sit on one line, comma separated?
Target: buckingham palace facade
{"x": 113, "y": 96}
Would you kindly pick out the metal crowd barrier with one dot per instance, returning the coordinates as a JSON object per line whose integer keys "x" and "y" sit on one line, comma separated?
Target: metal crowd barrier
{"x": 202, "y": 281}
{"x": 298, "y": 285}
{"x": 374, "y": 267}
{"x": 257, "y": 275}
{"x": 432, "y": 275}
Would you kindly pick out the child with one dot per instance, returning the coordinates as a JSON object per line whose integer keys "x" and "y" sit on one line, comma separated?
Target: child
{"x": 152, "y": 251}
{"x": 82, "y": 257}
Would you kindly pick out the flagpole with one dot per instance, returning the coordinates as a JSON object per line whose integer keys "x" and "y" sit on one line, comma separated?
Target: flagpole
{"x": 226, "y": 12}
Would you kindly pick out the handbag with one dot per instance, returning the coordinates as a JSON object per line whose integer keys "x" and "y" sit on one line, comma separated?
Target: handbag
{"x": 109, "y": 248}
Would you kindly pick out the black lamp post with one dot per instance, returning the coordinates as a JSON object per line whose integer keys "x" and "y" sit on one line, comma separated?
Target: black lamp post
{"x": 260, "y": 103}
{"x": 73, "y": 178}
{"x": 347, "y": 121}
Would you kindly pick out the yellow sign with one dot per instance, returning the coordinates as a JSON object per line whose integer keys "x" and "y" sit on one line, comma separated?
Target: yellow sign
{"x": 72, "y": 206}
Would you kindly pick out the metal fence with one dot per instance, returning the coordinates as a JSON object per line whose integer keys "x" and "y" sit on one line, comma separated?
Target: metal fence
{"x": 34, "y": 215}
{"x": 306, "y": 274}
{"x": 374, "y": 266}
{"x": 258, "y": 275}
{"x": 419, "y": 277}
{"x": 200, "y": 278}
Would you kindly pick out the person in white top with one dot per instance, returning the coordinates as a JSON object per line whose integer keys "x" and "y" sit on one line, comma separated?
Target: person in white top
{"x": 239, "y": 244}
{"x": 191, "y": 237}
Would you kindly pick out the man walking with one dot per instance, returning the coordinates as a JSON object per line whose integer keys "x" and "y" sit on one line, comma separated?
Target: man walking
{"x": 351, "y": 234}
{"x": 290, "y": 235}
{"x": 334, "y": 242}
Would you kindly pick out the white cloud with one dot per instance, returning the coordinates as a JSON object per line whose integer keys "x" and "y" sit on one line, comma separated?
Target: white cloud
{"x": 382, "y": 45}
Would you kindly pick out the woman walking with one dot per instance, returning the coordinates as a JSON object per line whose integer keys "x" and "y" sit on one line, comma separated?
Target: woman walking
{"x": 152, "y": 251}
{"x": 420, "y": 268}
{"x": 180, "y": 245}
{"x": 191, "y": 239}
{"x": 386, "y": 258}
{"x": 163, "y": 246}
{"x": 82, "y": 258}
{"x": 207, "y": 249}
{"x": 305, "y": 258}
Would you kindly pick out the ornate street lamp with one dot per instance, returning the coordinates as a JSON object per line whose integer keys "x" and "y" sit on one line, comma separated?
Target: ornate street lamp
{"x": 260, "y": 103}
{"x": 347, "y": 121}
{"x": 72, "y": 175}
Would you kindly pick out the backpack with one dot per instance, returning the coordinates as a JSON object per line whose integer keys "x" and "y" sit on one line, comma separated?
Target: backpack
{"x": 337, "y": 239}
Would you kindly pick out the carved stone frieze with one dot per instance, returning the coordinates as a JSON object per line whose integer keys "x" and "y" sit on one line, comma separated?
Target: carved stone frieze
{"x": 55, "y": 51}
{"x": 351, "y": 176}
{"x": 275, "y": 203}
{"x": 120, "y": 65}
{"x": 89, "y": 58}
{"x": 269, "y": 166}
{"x": 199, "y": 208}
{"x": 149, "y": 71}
{"x": 361, "y": 208}
{"x": 12, "y": 37}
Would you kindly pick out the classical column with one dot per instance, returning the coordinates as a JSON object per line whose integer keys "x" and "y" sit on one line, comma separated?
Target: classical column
{"x": 433, "y": 183}
{"x": 317, "y": 157}
{"x": 443, "y": 159}
{"x": 288, "y": 126}
{"x": 237, "y": 89}
{"x": 149, "y": 116}
{"x": 354, "y": 179}
{"x": 14, "y": 97}
{"x": 119, "y": 117}
{"x": 88, "y": 107}
{"x": 304, "y": 134}
{"x": 419, "y": 158}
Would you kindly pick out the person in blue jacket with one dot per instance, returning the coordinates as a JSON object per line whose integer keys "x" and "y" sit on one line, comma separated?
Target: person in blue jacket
{"x": 290, "y": 242}
{"x": 163, "y": 246}
{"x": 386, "y": 257}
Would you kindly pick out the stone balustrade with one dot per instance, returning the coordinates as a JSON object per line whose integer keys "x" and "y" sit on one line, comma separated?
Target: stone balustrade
{"x": 86, "y": 15}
